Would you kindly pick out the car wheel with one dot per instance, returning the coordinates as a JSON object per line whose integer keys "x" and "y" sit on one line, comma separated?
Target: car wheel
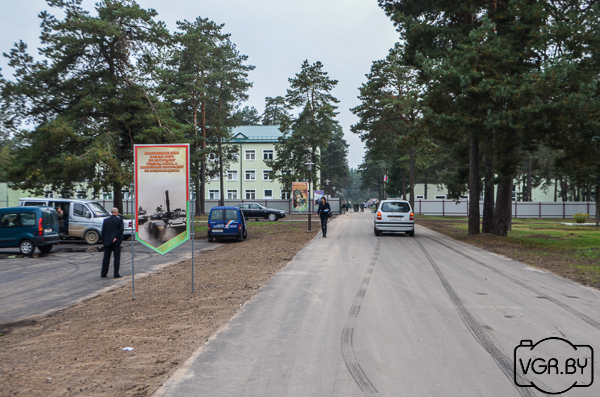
{"x": 240, "y": 236}
{"x": 91, "y": 237}
{"x": 26, "y": 247}
{"x": 411, "y": 233}
{"x": 377, "y": 232}
{"x": 210, "y": 238}
{"x": 45, "y": 249}
{"x": 245, "y": 234}
{"x": 272, "y": 217}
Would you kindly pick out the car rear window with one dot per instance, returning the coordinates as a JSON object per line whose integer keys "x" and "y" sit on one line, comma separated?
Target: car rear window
{"x": 395, "y": 207}
{"x": 224, "y": 215}
{"x": 47, "y": 217}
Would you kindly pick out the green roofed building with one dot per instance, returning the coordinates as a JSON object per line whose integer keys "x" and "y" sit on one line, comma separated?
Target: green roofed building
{"x": 248, "y": 178}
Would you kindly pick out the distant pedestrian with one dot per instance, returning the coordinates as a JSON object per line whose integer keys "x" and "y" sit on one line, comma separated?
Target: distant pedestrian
{"x": 112, "y": 236}
{"x": 324, "y": 212}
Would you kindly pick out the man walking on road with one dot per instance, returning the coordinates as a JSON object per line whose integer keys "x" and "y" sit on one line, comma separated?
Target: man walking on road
{"x": 324, "y": 211}
{"x": 112, "y": 236}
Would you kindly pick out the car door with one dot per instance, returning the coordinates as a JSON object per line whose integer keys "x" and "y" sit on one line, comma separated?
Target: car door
{"x": 257, "y": 211}
{"x": 79, "y": 220}
{"x": 8, "y": 226}
{"x": 245, "y": 210}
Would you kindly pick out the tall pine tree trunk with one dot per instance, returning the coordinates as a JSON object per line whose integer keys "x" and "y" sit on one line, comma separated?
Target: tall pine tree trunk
{"x": 221, "y": 196}
{"x": 411, "y": 178}
{"x": 403, "y": 185}
{"x": 118, "y": 196}
{"x": 473, "y": 185}
{"x": 488, "y": 192}
{"x": 529, "y": 195}
{"x": 503, "y": 210}
{"x": 201, "y": 209}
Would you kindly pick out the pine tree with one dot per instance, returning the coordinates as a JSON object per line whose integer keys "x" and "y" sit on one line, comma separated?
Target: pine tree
{"x": 85, "y": 100}
{"x": 275, "y": 111}
{"x": 311, "y": 130}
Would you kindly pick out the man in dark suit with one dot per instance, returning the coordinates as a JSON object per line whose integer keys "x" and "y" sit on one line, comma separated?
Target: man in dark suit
{"x": 112, "y": 236}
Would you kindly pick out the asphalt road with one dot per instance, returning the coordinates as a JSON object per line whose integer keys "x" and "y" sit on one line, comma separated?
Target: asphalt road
{"x": 358, "y": 315}
{"x": 45, "y": 283}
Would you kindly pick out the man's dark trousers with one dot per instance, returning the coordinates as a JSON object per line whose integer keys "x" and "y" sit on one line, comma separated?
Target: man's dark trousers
{"x": 116, "y": 248}
{"x": 112, "y": 236}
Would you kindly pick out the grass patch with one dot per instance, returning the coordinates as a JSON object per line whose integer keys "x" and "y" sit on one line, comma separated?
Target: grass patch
{"x": 569, "y": 251}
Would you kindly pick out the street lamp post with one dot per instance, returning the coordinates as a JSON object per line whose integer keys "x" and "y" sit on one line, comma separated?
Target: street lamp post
{"x": 309, "y": 165}
{"x": 327, "y": 182}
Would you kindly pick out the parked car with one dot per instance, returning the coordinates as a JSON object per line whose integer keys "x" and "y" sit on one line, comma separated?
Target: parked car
{"x": 29, "y": 228}
{"x": 394, "y": 216}
{"x": 83, "y": 218}
{"x": 257, "y": 211}
{"x": 226, "y": 222}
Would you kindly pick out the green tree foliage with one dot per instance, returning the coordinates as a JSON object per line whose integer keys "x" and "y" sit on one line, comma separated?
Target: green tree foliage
{"x": 275, "y": 111}
{"x": 495, "y": 78}
{"x": 390, "y": 115}
{"x": 85, "y": 100}
{"x": 203, "y": 79}
{"x": 334, "y": 164}
{"x": 247, "y": 116}
{"x": 313, "y": 128}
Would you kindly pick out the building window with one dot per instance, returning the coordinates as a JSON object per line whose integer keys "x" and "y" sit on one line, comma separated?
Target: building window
{"x": 250, "y": 175}
{"x": 267, "y": 155}
{"x": 214, "y": 177}
{"x": 232, "y": 175}
{"x": 232, "y": 195}
{"x": 440, "y": 197}
{"x": 82, "y": 194}
{"x": 267, "y": 175}
{"x": 213, "y": 194}
{"x": 250, "y": 194}
{"x": 250, "y": 155}
{"x": 268, "y": 194}
{"x": 285, "y": 195}
{"x": 106, "y": 196}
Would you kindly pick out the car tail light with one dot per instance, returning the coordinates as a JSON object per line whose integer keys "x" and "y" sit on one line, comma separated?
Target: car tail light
{"x": 41, "y": 227}
{"x": 412, "y": 216}
{"x": 379, "y": 216}
{"x": 240, "y": 226}
{"x": 209, "y": 226}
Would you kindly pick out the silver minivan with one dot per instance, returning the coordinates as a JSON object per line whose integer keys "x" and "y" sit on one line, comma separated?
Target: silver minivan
{"x": 394, "y": 216}
{"x": 83, "y": 218}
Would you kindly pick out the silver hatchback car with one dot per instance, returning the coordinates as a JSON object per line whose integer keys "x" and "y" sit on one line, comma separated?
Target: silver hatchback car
{"x": 394, "y": 216}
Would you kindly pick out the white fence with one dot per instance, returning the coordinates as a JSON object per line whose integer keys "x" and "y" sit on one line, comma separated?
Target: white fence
{"x": 519, "y": 209}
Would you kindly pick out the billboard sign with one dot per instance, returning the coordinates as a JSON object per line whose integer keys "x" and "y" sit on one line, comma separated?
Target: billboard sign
{"x": 162, "y": 195}
{"x": 317, "y": 194}
{"x": 300, "y": 195}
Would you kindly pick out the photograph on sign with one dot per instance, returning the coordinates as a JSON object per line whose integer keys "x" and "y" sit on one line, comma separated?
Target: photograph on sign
{"x": 317, "y": 194}
{"x": 300, "y": 195}
{"x": 162, "y": 195}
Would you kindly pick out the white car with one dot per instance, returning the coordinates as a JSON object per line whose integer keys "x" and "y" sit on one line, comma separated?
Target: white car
{"x": 394, "y": 216}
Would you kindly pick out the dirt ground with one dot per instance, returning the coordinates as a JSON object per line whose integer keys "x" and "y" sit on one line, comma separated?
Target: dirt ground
{"x": 561, "y": 263}
{"x": 78, "y": 351}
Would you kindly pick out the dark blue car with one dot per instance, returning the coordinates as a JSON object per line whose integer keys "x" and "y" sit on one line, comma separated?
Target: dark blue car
{"x": 29, "y": 228}
{"x": 226, "y": 222}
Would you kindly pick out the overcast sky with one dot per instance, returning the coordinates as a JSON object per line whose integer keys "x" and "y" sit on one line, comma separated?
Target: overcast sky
{"x": 277, "y": 35}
